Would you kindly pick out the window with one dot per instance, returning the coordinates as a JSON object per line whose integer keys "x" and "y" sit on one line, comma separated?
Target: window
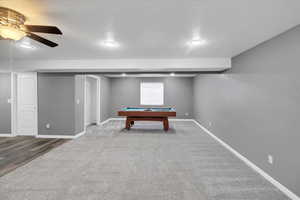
{"x": 152, "y": 93}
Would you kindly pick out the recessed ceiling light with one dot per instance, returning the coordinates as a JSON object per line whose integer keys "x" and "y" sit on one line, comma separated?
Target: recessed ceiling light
{"x": 109, "y": 43}
{"x": 124, "y": 74}
{"x": 196, "y": 42}
{"x": 172, "y": 74}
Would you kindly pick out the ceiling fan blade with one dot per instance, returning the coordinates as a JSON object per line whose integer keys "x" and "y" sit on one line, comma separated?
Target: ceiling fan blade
{"x": 41, "y": 40}
{"x": 43, "y": 29}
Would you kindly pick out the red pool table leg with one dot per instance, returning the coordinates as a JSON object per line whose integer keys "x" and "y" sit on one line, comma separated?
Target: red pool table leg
{"x": 127, "y": 124}
{"x": 166, "y": 124}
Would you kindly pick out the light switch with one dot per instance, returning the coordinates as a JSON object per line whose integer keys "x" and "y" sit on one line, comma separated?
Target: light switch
{"x": 8, "y": 100}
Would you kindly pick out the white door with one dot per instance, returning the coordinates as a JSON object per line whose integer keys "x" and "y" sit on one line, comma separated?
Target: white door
{"x": 26, "y": 104}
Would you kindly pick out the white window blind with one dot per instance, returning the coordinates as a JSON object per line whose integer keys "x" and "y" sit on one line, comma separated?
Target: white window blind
{"x": 152, "y": 93}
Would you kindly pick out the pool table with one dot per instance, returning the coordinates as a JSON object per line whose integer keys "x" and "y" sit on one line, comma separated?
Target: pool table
{"x": 133, "y": 114}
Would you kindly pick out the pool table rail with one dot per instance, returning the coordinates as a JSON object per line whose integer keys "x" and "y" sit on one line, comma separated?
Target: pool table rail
{"x": 147, "y": 113}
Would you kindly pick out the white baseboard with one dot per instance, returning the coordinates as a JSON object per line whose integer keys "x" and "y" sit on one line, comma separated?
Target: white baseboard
{"x": 56, "y": 136}
{"x": 104, "y": 122}
{"x": 79, "y": 134}
{"x": 62, "y": 136}
{"x": 117, "y": 118}
{"x": 6, "y": 135}
{"x": 281, "y": 187}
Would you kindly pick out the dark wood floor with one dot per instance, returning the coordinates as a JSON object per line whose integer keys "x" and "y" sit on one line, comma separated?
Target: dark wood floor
{"x": 17, "y": 151}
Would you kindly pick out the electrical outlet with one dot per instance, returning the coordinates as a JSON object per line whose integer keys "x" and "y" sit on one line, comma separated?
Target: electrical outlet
{"x": 270, "y": 159}
{"x": 78, "y": 101}
{"x": 187, "y": 114}
{"x": 8, "y": 100}
{"x": 47, "y": 126}
{"x": 209, "y": 123}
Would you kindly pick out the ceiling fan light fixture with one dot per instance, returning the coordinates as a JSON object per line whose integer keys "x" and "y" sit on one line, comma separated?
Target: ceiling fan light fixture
{"x": 13, "y": 27}
{"x": 11, "y": 33}
{"x": 11, "y": 23}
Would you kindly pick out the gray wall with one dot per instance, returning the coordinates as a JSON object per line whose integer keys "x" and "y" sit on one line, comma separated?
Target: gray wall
{"x": 105, "y": 98}
{"x": 79, "y": 103}
{"x": 56, "y": 93}
{"x": 254, "y": 107}
{"x": 178, "y": 93}
{"x": 5, "y": 107}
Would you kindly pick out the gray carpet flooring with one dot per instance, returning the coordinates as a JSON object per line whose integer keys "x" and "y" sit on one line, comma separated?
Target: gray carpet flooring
{"x": 145, "y": 163}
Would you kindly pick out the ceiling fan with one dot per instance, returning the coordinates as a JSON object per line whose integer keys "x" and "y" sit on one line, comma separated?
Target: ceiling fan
{"x": 12, "y": 27}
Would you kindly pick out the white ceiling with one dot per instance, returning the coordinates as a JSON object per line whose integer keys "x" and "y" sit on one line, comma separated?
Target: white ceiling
{"x": 153, "y": 28}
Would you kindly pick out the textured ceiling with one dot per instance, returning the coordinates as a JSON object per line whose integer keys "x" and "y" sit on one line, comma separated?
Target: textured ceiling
{"x": 152, "y": 28}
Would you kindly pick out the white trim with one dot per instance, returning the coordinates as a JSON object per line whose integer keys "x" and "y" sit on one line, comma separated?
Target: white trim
{"x": 281, "y": 187}
{"x": 12, "y": 104}
{"x": 104, "y": 122}
{"x": 56, "y": 136}
{"x": 92, "y": 76}
{"x": 15, "y": 108}
{"x": 80, "y": 134}
{"x": 125, "y": 65}
{"x": 117, "y": 118}
{"x": 36, "y": 105}
{"x": 99, "y": 99}
{"x": 6, "y": 135}
{"x": 62, "y": 136}
{"x": 84, "y": 105}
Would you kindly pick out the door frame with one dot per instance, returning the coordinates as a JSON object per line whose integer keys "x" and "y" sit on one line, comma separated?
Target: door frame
{"x": 14, "y": 107}
{"x": 98, "y": 79}
{"x": 13, "y": 103}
